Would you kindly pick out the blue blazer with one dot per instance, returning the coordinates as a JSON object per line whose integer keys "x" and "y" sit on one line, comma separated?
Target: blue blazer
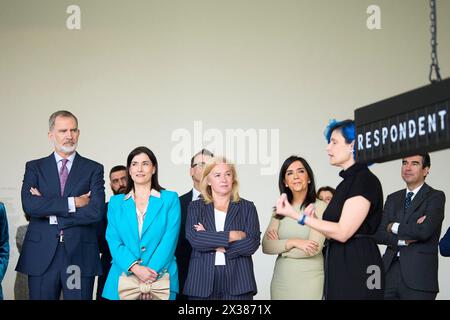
{"x": 80, "y": 235}
{"x": 241, "y": 216}
{"x": 156, "y": 247}
{"x": 4, "y": 245}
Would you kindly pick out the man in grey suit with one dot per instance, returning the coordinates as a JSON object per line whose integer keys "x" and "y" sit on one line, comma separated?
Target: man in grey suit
{"x": 410, "y": 228}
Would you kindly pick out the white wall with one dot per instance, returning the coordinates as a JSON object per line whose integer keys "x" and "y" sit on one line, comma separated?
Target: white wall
{"x": 137, "y": 71}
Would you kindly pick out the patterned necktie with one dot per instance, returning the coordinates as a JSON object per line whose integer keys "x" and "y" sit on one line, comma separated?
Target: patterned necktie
{"x": 63, "y": 174}
{"x": 408, "y": 199}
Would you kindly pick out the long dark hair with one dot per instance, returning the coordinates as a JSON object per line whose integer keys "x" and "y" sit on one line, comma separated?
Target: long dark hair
{"x": 310, "y": 195}
{"x": 151, "y": 155}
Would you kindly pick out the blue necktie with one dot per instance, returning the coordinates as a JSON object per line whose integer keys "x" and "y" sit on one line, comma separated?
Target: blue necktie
{"x": 408, "y": 199}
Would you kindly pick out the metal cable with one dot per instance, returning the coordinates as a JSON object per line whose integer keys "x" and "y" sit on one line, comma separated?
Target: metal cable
{"x": 434, "y": 58}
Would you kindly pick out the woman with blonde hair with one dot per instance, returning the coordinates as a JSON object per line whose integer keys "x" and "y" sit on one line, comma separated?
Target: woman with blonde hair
{"x": 223, "y": 230}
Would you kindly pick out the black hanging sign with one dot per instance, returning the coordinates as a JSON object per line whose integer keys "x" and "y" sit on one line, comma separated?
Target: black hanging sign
{"x": 407, "y": 124}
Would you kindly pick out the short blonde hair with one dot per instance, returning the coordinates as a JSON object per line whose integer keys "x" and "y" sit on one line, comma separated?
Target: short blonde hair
{"x": 205, "y": 189}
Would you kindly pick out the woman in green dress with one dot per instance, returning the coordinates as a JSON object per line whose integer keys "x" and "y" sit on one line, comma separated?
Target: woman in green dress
{"x": 298, "y": 273}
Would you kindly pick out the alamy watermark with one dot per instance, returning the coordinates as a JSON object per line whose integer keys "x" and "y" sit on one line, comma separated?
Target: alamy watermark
{"x": 74, "y": 280}
{"x": 73, "y": 22}
{"x": 374, "y": 280}
{"x": 242, "y": 146}
{"x": 373, "y": 22}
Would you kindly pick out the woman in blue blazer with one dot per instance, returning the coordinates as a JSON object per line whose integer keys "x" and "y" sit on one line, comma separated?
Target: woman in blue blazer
{"x": 143, "y": 227}
{"x": 223, "y": 230}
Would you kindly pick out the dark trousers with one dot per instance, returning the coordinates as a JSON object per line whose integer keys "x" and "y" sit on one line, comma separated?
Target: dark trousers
{"x": 220, "y": 290}
{"x": 101, "y": 280}
{"x": 396, "y": 288}
{"x": 58, "y": 277}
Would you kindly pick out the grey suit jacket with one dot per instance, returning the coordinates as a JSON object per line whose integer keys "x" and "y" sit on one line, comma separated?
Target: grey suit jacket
{"x": 418, "y": 260}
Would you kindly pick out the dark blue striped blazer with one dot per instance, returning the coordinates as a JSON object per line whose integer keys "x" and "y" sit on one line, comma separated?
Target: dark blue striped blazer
{"x": 241, "y": 216}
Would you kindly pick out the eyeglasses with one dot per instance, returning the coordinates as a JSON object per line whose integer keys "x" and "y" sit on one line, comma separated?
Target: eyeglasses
{"x": 199, "y": 164}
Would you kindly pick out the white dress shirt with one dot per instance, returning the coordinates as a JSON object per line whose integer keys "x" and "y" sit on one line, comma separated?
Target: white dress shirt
{"x": 141, "y": 215}
{"x": 396, "y": 225}
{"x": 195, "y": 194}
{"x": 70, "y": 200}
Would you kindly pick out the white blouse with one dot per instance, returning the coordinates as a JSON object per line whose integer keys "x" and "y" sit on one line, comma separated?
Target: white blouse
{"x": 220, "y": 224}
{"x": 140, "y": 218}
{"x": 141, "y": 215}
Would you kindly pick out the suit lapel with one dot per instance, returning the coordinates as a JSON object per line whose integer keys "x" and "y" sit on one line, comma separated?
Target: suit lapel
{"x": 417, "y": 201}
{"x": 74, "y": 175}
{"x": 184, "y": 203}
{"x": 233, "y": 210}
{"x": 129, "y": 213}
{"x": 51, "y": 171}
{"x": 186, "y": 200}
{"x": 399, "y": 214}
{"x": 153, "y": 210}
{"x": 210, "y": 221}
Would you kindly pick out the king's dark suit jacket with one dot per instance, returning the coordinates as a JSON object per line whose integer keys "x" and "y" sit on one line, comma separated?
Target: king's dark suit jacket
{"x": 80, "y": 236}
{"x": 240, "y": 278}
{"x": 419, "y": 260}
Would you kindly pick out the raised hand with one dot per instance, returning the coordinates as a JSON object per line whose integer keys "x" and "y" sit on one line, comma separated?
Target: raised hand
{"x": 284, "y": 208}
{"x": 310, "y": 210}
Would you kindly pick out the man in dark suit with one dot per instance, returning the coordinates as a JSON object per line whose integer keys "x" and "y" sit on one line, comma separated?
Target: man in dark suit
{"x": 444, "y": 244}
{"x": 65, "y": 198}
{"x": 410, "y": 228}
{"x": 118, "y": 182}
{"x": 184, "y": 249}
